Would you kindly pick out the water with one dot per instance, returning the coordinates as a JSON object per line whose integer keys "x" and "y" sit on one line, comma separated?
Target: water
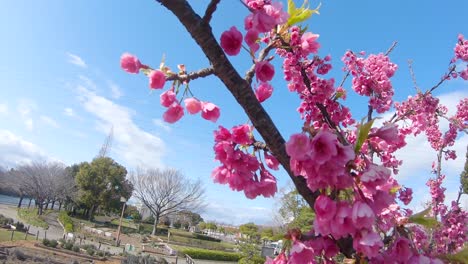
{"x": 11, "y": 200}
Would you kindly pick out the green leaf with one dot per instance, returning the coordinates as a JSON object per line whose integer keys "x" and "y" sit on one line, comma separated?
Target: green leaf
{"x": 298, "y": 15}
{"x": 363, "y": 133}
{"x": 421, "y": 219}
{"x": 460, "y": 257}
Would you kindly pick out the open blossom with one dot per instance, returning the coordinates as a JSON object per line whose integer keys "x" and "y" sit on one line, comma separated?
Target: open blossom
{"x": 251, "y": 38}
{"x": 242, "y": 134}
{"x": 157, "y": 79}
{"x": 324, "y": 146}
{"x": 325, "y": 208}
{"x": 401, "y": 250}
{"x": 167, "y": 98}
{"x": 264, "y": 71}
{"x": 309, "y": 42}
{"x": 231, "y": 41}
{"x": 210, "y": 111}
{"x": 130, "y": 63}
{"x": 298, "y": 147}
{"x": 271, "y": 161}
{"x": 389, "y": 133}
{"x": 368, "y": 242}
{"x": 405, "y": 195}
{"x": 374, "y": 176}
{"x": 461, "y": 49}
{"x": 362, "y": 215}
{"x": 173, "y": 113}
{"x": 263, "y": 92}
{"x": 192, "y": 105}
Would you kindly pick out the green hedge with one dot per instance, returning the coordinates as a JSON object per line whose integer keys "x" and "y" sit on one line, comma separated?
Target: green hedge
{"x": 211, "y": 254}
{"x": 66, "y": 221}
{"x": 252, "y": 260}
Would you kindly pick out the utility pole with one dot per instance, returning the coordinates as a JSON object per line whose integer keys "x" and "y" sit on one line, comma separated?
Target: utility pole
{"x": 106, "y": 147}
{"x": 122, "y": 199}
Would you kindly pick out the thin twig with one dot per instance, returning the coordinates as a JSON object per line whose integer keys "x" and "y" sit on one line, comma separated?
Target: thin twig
{"x": 446, "y": 77}
{"x": 413, "y": 77}
{"x": 263, "y": 54}
{"x": 210, "y": 10}
{"x": 191, "y": 76}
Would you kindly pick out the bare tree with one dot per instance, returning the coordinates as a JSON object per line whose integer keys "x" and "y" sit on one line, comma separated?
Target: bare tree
{"x": 39, "y": 181}
{"x": 166, "y": 192}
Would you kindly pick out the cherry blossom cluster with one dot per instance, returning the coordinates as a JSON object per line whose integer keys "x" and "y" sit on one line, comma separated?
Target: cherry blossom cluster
{"x": 168, "y": 99}
{"x": 461, "y": 53}
{"x": 371, "y": 77}
{"x": 241, "y": 170}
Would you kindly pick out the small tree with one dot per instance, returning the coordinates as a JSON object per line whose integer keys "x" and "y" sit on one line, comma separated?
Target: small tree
{"x": 167, "y": 192}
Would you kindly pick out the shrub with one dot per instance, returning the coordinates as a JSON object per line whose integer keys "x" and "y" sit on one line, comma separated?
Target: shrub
{"x": 76, "y": 248}
{"x": 143, "y": 260}
{"x": 19, "y": 255}
{"x": 45, "y": 242}
{"x": 5, "y": 220}
{"x": 90, "y": 251}
{"x": 252, "y": 260}
{"x": 207, "y": 238}
{"x": 53, "y": 243}
{"x": 66, "y": 220}
{"x": 68, "y": 245}
{"x": 211, "y": 254}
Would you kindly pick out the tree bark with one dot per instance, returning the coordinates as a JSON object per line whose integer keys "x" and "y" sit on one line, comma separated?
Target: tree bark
{"x": 241, "y": 90}
{"x": 20, "y": 201}
{"x": 155, "y": 225}
{"x": 53, "y": 204}
{"x": 29, "y": 205}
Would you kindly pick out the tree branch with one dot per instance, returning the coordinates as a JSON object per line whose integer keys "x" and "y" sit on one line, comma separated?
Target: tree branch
{"x": 210, "y": 10}
{"x": 239, "y": 88}
{"x": 191, "y": 76}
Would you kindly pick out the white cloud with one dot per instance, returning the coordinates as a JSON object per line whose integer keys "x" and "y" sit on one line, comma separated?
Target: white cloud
{"x": 88, "y": 83}
{"x": 236, "y": 215}
{"x": 76, "y": 60}
{"x": 25, "y": 108}
{"x": 116, "y": 92}
{"x": 49, "y": 121}
{"x": 3, "y": 109}
{"x": 131, "y": 143}
{"x": 160, "y": 123}
{"x": 69, "y": 112}
{"x": 15, "y": 151}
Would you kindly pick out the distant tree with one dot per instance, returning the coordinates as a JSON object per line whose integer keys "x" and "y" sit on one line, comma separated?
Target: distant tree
{"x": 167, "y": 192}
{"x": 177, "y": 224}
{"x": 267, "y": 233}
{"x": 202, "y": 225}
{"x": 211, "y": 226}
{"x": 102, "y": 183}
{"x": 250, "y": 230}
{"x": 40, "y": 181}
{"x": 464, "y": 176}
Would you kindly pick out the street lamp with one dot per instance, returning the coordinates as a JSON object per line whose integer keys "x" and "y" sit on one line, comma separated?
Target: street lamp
{"x": 123, "y": 200}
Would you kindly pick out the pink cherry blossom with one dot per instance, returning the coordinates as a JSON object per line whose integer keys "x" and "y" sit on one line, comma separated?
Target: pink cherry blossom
{"x": 130, "y": 63}
{"x": 231, "y": 41}
{"x": 210, "y": 111}
{"x": 173, "y": 113}
{"x": 193, "y": 105}
{"x": 251, "y": 38}
{"x": 298, "y": 147}
{"x": 389, "y": 133}
{"x": 367, "y": 242}
{"x": 262, "y": 22}
{"x": 325, "y": 208}
{"x": 309, "y": 43}
{"x": 264, "y": 71}
{"x": 167, "y": 98}
{"x": 362, "y": 215}
{"x": 242, "y": 134}
{"x": 324, "y": 146}
{"x": 374, "y": 176}
{"x": 401, "y": 250}
{"x": 263, "y": 92}
{"x": 271, "y": 161}
{"x": 156, "y": 79}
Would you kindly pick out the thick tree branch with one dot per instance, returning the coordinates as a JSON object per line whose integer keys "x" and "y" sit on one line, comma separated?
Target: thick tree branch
{"x": 191, "y": 76}
{"x": 239, "y": 88}
{"x": 210, "y": 10}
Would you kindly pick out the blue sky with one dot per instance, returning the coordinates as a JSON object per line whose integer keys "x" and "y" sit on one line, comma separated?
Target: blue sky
{"x": 61, "y": 87}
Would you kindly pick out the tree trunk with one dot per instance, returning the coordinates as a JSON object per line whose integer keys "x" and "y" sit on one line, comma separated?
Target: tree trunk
{"x": 46, "y": 205}
{"x": 20, "y": 201}
{"x": 60, "y": 205}
{"x": 39, "y": 208}
{"x": 29, "y": 205}
{"x": 53, "y": 204}
{"x": 155, "y": 225}
{"x": 91, "y": 212}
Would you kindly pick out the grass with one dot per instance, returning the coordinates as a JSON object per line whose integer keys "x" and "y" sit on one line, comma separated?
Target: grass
{"x": 125, "y": 222}
{"x": 5, "y": 235}
{"x": 30, "y": 216}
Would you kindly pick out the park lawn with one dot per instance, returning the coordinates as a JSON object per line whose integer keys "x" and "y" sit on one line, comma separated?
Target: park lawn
{"x": 5, "y": 235}
{"x": 30, "y": 217}
{"x": 125, "y": 222}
